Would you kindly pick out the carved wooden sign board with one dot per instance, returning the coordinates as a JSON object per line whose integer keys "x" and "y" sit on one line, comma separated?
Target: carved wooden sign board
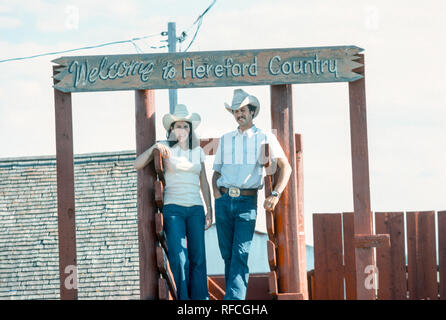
{"x": 207, "y": 69}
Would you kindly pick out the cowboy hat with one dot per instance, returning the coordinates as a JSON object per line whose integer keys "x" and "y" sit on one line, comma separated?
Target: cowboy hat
{"x": 181, "y": 114}
{"x": 242, "y": 98}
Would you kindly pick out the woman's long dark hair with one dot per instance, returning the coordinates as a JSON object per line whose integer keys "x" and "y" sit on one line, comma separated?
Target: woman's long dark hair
{"x": 172, "y": 140}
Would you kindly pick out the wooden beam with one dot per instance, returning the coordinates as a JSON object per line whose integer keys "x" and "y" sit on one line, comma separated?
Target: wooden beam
{"x": 159, "y": 230}
{"x": 391, "y": 261}
{"x": 272, "y": 284}
{"x": 159, "y": 196}
{"x": 328, "y": 267}
{"x": 269, "y": 219}
{"x": 145, "y": 137}
{"x": 371, "y": 241}
{"x": 65, "y": 195}
{"x": 158, "y": 164}
{"x": 291, "y": 277}
{"x": 215, "y": 290}
{"x": 421, "y": 256}
{"x": 290, "y": 296}
{"x": 442, "y": 253}
{"x": 349, "y": 255}
{"x": 162, "y": 263}
{"x": 207, "y": 69}
{"x": 300, "y": 210}
{"x": 360, "y": 175}
{"x": 271, "y": 249}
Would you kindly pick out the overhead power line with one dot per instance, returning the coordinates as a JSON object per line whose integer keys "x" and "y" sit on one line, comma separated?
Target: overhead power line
{"x": 180, "y": 39}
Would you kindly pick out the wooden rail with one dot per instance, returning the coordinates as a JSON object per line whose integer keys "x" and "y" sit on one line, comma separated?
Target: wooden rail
{"x": 166, "y": 283}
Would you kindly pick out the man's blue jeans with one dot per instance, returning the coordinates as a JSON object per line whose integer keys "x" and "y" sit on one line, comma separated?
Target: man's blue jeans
{"x": 235, "y": 219}
{"x": 184, "y": 227}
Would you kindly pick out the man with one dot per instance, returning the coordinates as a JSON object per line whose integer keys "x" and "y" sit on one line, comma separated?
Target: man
{"x": 238, "y": 175}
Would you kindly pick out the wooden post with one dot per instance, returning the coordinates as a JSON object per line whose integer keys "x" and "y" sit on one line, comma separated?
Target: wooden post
{"x": 65, "y": 195}
{"x": 292, "y": 279}
{"x": 145, "y": 137}
{"x": 361, "y": 185}
{"x": 300, "y": 215}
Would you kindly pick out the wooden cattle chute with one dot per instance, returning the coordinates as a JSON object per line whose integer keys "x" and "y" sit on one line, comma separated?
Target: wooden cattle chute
{"x": 418, "y": 278}
{"x": 279, "y": 68}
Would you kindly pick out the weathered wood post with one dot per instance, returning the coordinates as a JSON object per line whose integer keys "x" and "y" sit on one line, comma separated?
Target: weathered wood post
{"x": 65, "y": 194}
{"x": 361, "y": 185}
{"x": 145, "y": 137}
{"x": 292, "y": 278}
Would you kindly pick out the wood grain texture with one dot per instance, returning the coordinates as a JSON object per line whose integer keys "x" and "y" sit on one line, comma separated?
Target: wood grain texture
{"x": 217, "y": 292}
{"x": 421, "y": 255}
{"x": 163, "y": 266}
{"x": 271, "y": 249}
{"x": 442, "y": 252}
{"x": 206, "y": 69}
{"x": 360, "y": 175}
{"x": 292, "y": 278}
{"x": 65, "y": 195}
{"x": 146, "y": 177}
{"x": 159, "y": 230}
{"x": 391, "y": 261}
{"x": 158, "y": 165}
{"x": 290, "y": 296}
{"x": 159, "y": 195}
{"x": 300, "y": 208}
{"x": 269, "y": 219}
{"x": 163, "y": 289}
{"x": 272, "y": 284}
{"x": 371, "y": 240}
{"x": 328, "y": 266}
{"x": 349, "y": 255}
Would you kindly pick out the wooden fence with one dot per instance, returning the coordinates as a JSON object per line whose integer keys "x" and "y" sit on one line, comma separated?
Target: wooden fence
{"x": 408, "y": 268}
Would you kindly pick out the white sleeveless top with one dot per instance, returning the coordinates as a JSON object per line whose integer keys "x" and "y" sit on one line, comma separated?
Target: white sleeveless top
{"x": 182, "y": 174}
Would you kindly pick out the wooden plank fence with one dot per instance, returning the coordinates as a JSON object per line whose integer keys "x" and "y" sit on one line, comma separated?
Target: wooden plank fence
{"x": 402, "y": 271}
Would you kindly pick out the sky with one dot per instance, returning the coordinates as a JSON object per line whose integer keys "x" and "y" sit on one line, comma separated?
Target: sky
{"x": 405, "y": 79}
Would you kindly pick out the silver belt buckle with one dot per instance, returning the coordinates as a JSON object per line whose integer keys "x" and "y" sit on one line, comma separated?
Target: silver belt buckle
{"x": 234, "y": 192}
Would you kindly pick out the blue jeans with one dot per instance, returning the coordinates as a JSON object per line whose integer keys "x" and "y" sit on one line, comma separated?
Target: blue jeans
{"x": 235, "y": 219}
{"x": 184, "y": 227}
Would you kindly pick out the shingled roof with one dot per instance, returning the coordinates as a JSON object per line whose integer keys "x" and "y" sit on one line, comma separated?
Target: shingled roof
{"x": 106, "y": 227}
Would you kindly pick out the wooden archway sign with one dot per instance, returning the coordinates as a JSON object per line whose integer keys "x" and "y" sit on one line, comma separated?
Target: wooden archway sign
{"x": 279, "y": 68}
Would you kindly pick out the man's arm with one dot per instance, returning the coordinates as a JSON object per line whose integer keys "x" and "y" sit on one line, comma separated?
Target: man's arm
{"x": 215, "y": 177}
{"x": 284, "y": 175}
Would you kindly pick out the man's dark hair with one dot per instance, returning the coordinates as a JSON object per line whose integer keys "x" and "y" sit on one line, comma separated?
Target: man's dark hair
{"x": 252, "y": 108}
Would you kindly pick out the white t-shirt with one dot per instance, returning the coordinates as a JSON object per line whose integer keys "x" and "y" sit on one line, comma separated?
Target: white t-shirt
{"x": 182, "y": 174}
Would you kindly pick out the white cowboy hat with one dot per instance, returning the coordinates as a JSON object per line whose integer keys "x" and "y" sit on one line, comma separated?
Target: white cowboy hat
{"x": 242, "y": 98}
{"x": 181, "y": 114}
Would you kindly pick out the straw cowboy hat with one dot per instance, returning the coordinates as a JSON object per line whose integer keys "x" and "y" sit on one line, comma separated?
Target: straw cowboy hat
{"x": 242, "y": 98}
{"x": 181, "y": 114}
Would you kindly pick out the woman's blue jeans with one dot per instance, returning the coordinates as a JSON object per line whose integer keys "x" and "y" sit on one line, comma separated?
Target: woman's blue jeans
{"x": 184, "y": 227}
{"x": 236, "y": 220}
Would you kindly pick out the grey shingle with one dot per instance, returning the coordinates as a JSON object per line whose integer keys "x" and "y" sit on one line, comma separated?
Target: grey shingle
{"x": 106, "y": 227}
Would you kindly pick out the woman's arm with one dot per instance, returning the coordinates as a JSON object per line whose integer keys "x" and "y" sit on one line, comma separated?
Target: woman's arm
{"x": 144, "y": 158}
{"x": 206, "y": 192}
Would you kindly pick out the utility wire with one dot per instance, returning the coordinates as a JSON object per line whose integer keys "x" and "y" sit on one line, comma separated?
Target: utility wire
{"x": 180, "y": 39}
{"x": 78, "y": 49}
{"x": 198, "y": 21}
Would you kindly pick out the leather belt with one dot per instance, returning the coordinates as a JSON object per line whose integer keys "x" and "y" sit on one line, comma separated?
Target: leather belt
{"x": 236, "y": 192}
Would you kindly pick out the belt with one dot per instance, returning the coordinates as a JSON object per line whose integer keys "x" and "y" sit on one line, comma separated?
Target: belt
{"x": 236, "y": 192}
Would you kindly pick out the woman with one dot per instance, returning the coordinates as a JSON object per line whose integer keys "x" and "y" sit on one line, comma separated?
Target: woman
{"x": 183, "y": 212}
